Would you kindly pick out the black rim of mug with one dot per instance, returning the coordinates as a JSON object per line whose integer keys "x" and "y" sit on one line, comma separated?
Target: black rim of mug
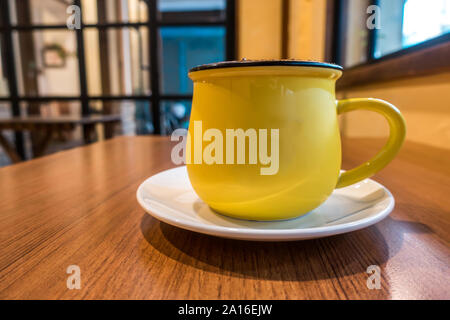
{"x": 259, "y": 63}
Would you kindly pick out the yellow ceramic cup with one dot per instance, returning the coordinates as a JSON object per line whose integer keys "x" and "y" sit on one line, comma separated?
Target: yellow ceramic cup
{"x": 298, "y": 99}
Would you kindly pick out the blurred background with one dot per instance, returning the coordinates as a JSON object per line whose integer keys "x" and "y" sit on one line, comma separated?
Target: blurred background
{"x": 123, "y": 69}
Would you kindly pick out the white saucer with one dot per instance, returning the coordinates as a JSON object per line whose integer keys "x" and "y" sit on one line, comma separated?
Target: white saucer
{"x": 169, "y": 197}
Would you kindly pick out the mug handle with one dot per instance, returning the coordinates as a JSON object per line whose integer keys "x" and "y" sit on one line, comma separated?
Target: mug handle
{"x": 397, "y": 134}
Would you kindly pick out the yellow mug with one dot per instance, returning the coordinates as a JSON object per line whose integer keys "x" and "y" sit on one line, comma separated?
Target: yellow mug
{"x": 291, "y": 106}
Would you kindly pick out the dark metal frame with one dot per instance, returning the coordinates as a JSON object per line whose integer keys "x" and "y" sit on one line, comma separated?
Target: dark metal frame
{"x": 9, "y": 63}
{"x": 155, "y": 21}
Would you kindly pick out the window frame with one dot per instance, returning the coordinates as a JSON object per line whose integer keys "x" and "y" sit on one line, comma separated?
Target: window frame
{"x": 155, "y": 21}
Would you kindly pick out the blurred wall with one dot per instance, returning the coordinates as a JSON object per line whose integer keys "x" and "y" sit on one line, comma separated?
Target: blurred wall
{"x": 423, "y": 101}
{"x": 307, "y": 21}
{"x": 260, "y": 29}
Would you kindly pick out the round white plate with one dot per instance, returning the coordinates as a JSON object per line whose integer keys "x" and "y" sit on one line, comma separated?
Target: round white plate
{"x": 169, "y": 197}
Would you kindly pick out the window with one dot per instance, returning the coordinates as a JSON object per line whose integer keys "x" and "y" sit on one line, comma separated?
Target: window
{"x": 410, "y": 22}
{"x": 403, "y": 24}
{"x": 130, "y": 57}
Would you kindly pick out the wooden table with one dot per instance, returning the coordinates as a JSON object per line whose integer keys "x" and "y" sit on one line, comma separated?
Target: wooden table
{"x": 78, "y": 207}
{"x": 48, "y": 125}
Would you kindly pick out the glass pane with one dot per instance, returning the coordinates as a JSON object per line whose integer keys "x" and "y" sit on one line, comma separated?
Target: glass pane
{"x": 191, "y": 5}
{"x": 389, "y": 37}
{"x": 39, "y": 11}
{"x": 112, "y": 11}
{"x": 184, "y": 48}
{"x": 46, "y": 62}
{"x": 4, "y": 89}
{"x": 356, "y": 33}
{"x": 135, "y": 115}
{"x": 51, "y": 109}
{"x": 61, "y": 139}
{"x": 5, "y": 112}
{"x": 175, "y": 114}
{"x": 423, "y": 21}
{"x": 142, "y": 118}
{"x": 409, "y": 22}
{"x": 117, "y": 61}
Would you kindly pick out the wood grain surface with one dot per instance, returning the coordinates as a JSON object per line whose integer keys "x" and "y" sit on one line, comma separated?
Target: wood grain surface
{"x": 78, "y": 207}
